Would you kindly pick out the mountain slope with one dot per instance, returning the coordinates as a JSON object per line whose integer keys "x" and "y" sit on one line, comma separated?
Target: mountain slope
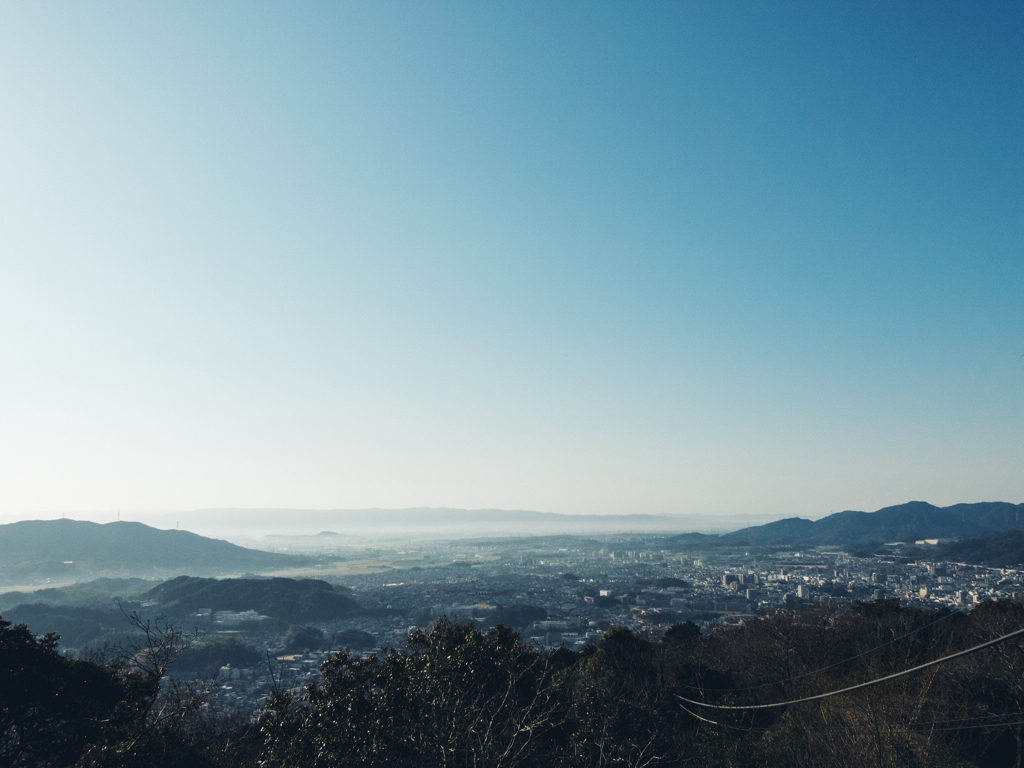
{"x": 1000, "y": 550}
{"x": 903, "y": 522}
{"x": 69, "y": 549}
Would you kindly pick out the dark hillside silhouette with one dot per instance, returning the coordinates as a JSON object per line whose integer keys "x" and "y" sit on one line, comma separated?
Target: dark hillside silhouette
{"x": 292, "y": 600}
{"x": 910, "y": 522}
{"x": 70, "y": 549}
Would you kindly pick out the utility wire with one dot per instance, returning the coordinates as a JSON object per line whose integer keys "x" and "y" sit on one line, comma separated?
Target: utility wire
{"x": 971, "y": 719}
{"x": 748, "y": 729}
{"x": 919, "y": 667}
{"x": 920, "y": 727}
{"x": 923, "y": 727}
{"x": 822, "y": 669}
{"x": 909, "y": 728}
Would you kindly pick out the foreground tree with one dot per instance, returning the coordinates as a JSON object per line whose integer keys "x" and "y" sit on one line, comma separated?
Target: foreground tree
{"x": 52, "y": 707}
{"x": 165, "y": 721}
{"x": 458, "y": 697}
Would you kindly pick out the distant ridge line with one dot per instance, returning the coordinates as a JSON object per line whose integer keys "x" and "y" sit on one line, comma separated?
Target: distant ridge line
{"x": 908, "y": 522}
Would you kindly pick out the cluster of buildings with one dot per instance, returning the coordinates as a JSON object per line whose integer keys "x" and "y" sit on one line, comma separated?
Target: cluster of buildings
{"x": 569, "y": 595}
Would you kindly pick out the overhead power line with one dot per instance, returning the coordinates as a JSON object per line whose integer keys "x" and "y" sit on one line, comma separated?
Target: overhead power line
{"x": 869, "y": 683}
{"x": 919, "y": 727}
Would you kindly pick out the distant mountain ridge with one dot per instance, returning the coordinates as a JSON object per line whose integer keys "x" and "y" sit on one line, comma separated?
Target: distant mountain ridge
{"x": 913, "y": 521}
{"x": 68, "y": 549}
{"x": 443, "y": 522}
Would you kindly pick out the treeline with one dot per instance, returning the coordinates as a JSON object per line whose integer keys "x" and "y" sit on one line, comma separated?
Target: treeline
{"x": 457, "y": 696}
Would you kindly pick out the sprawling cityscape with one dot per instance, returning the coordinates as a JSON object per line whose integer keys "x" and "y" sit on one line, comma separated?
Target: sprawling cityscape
{"x": 239, "y": 646}
{"x": 567, "y": 592}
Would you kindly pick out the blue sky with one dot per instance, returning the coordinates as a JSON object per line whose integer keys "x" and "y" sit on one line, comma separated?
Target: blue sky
{"x": 613, "y": 257}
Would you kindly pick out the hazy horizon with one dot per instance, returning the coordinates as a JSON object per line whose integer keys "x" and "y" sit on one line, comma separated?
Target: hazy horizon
{"x": 259, "y": 527}
{"x": 679, "y": 259}
{"x": 258, "y": 523}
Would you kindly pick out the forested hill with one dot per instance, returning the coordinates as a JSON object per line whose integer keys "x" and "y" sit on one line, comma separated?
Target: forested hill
{"x": 294, "y": 600}
{"x": 999, "y": 550}
{"x": 54, "y": 549}
{"x": 904, "y": 522}
{"x": 94, "y": 620}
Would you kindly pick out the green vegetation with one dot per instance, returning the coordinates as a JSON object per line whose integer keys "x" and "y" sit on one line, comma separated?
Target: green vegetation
{"x": 204, "y": 659}
{"x": 95, "y": 593}
{"x": 1000, "y": 550}
{"x": 100, "y": 621}
{"x": 78, "y": 626}
{"x": 461, "y": 697}
{"x": 299, "y": 639}
{"x": 518, "y": 615}
{"x": 355, "y": 639}
{"x": 56, "y": 711}
{"x": 291, "y": 600}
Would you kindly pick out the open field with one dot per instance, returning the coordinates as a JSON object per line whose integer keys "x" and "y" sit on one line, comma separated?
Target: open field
{"x": 368, "y": 566}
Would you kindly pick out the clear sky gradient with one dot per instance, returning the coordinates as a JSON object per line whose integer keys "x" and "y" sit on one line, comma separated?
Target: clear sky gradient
{"x": 575, "y": 257}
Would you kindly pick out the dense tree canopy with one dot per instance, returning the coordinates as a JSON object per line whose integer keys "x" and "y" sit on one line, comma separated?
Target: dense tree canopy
{"x": 50, "y": 707}
{"x": 457, "y": 696}
{"x": 293, "y": 600}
